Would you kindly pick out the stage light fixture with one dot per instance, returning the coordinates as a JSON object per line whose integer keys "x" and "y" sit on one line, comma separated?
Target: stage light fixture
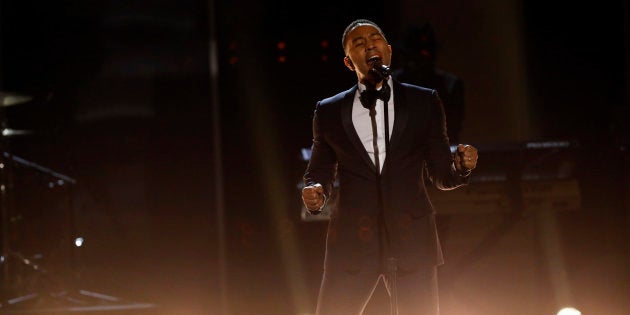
{"x": 569, "y": 311}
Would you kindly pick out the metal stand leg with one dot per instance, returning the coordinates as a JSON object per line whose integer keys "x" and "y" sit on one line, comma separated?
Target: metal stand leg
{"x": 392, "y": 270}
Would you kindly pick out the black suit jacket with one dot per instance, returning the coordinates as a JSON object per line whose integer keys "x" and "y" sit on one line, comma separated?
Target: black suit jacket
{"x": 418, "y": 139}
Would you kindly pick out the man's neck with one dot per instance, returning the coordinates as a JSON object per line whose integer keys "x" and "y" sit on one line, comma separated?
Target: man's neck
{"x": 374, "y": 86}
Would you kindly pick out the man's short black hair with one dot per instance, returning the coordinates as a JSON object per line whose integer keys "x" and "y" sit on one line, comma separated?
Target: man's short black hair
{"x": 354, "y": 24}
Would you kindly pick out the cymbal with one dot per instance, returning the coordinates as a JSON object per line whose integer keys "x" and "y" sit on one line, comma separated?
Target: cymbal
{"x": 10, "y": 99}
{"x": 8, "y": 132}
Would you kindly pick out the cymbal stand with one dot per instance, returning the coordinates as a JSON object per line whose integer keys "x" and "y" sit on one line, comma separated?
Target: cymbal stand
{"x": 53, "y": 285}
{"x": 15, "y": 266}
{"x": 5, "y": 179}
{"x": 55, "y": 289}
{"x": 11, "y": 280}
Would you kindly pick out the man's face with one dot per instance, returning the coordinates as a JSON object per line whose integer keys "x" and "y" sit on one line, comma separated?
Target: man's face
{"x": 363, "y": 43}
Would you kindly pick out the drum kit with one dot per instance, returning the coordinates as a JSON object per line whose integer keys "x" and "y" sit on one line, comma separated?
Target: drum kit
{"x": 19, "y": 270}
{"x": 25, "y": 283}
{"x": 13, "y": 262}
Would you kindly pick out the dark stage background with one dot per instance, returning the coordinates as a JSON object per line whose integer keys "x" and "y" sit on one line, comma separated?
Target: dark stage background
{"x": 123, "y": 101}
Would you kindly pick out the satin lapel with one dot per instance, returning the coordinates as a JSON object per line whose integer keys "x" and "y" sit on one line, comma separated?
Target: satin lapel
{"x": 401, "y": 116}
{"x": 348, "y": 126}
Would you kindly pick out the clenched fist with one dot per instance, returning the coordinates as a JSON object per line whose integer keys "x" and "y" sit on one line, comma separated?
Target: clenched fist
{"x": 313, "y": 197}
{"x": 466, "y": 158}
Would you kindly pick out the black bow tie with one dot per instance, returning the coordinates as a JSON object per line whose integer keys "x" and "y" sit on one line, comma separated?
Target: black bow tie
{"x": 368, "y": 97}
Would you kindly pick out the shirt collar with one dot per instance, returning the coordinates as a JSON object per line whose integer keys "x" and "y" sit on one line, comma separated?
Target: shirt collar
{"x": 362, "y": 86}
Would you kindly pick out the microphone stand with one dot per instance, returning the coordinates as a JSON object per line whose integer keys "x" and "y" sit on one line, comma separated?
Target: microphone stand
{"x": 392, "y": 262}
{"x": 391, "y": 267}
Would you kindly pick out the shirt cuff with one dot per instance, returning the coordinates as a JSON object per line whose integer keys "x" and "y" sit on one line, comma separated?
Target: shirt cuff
{"x": 463, "y": 173}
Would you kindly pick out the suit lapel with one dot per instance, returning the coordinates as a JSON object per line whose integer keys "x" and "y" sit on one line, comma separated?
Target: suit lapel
{"x": 348, "y": 126}
{"x": 401, "y": 118}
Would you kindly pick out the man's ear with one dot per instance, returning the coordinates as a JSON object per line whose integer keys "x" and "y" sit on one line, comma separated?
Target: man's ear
{"x": 348, "y": 63}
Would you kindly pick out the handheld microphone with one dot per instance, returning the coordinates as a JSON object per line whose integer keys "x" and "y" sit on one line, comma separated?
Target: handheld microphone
{"x": 379, "y": 68}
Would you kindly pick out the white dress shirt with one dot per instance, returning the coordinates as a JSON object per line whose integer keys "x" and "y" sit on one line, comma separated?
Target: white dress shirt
{"x": 363, "y": 123}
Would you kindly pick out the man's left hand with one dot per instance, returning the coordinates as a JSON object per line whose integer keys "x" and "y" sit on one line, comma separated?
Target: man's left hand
{"x": 466, "y": 158}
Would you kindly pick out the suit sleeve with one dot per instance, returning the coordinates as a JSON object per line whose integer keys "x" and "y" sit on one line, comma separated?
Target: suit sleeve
{"x": 441, "y": 169}
{"x": 322, "y": 165}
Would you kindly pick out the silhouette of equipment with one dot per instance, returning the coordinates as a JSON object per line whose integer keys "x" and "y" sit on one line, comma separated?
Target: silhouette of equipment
{"x": 26, "y": 285}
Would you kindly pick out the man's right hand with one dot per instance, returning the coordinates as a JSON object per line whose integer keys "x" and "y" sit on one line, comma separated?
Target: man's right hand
{"x": 313, "y": 197}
